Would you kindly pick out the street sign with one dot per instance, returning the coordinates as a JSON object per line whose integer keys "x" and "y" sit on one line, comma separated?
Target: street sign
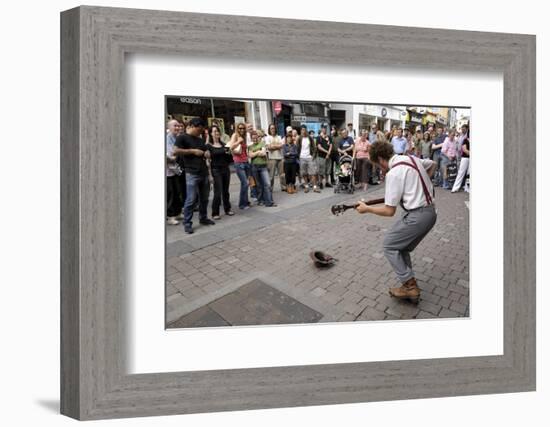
{"x": 277, "y": 107}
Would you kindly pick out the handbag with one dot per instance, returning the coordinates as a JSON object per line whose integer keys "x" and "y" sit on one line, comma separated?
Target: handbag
{"x": 238, "y": 149}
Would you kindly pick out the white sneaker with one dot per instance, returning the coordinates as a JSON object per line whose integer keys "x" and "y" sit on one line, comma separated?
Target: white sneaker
{"x": 172, "y": 221}
{"x": 179, "y": 217}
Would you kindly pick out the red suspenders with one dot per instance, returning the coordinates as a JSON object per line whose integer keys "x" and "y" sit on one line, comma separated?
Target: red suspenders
{"x": 427, "y": 194}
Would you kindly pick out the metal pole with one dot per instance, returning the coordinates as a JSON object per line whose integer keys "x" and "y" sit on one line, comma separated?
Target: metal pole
{"x": 212, "y": 108}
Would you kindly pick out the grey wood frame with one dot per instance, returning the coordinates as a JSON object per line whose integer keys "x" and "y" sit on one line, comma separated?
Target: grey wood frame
{"x": 94, "y": 382}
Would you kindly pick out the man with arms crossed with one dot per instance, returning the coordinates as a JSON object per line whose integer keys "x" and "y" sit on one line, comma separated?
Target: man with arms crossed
{"x": 408, "y": 183}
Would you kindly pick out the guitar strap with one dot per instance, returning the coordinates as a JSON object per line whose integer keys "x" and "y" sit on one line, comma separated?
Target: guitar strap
{"x": 427, "y": 194}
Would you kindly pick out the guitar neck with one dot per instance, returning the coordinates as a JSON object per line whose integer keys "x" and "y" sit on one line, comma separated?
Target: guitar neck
{"x": 375, "y": 201}
{"x": 368, "y": 202}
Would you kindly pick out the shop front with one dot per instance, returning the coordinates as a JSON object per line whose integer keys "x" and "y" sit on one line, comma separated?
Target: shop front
{"x": 385, "y": 117}
{"x": 414, "y": 120}
{"x": 223, "y": 112}
{"x": 313, "y": 123}
{"x": 429, "y": 119}
{"x": 312, "y": 115}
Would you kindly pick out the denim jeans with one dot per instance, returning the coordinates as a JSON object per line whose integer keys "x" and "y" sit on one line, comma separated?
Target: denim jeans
{"x": 438, "y": 173}
{"x": 196, "y": 185}
{"x": 263, "y": 184}
{"x": 243, "y": 172}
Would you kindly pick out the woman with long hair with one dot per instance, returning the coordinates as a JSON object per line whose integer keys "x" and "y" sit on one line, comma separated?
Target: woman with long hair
{"x": 239, "y": 150}
{"x": 220, "y": 158}
{"x": 290, "y": 154}
{"x": 426, "y": 147}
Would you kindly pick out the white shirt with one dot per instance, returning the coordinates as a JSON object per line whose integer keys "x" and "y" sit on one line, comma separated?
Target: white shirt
{"x": 273, "y": 154}
{"x": 403, "y": 183}
{"x": 305, "y": 153}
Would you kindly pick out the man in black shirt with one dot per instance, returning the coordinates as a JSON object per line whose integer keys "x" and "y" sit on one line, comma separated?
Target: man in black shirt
{"x": 193, "y": 149}
{"x": 324, "y": 162}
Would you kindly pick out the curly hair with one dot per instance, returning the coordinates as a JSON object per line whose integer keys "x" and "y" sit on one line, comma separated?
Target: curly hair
{"x": 380, "y": 150}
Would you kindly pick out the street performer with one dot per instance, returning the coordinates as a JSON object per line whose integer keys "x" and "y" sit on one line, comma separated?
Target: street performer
{"x": 408, "y": 183}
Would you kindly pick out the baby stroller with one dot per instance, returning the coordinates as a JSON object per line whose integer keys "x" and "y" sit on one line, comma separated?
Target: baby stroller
{"x": 345, "y": 175}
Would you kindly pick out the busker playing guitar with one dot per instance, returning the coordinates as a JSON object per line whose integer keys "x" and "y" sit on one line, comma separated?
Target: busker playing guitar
{"x": 408, "y": 183}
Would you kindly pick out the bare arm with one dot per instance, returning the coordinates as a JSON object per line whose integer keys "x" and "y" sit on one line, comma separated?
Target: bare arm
{"x": 274, "y": 146}
{"x": 384, "y": 210}
{"x": 322, "y": 150}
{"x": 188, "y": 151}
{"x": 234, "y": 141}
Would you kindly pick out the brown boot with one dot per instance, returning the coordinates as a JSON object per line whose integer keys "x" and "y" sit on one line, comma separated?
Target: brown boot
{"x": 408, "y": 290}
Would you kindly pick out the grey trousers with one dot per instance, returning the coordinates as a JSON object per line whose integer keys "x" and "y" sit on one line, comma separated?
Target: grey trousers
{"x": 404, "y": 236}
{"x": 276, "y": 165}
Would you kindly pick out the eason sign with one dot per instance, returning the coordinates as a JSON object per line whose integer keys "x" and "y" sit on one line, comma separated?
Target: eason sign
{"x": 190, "y": 100}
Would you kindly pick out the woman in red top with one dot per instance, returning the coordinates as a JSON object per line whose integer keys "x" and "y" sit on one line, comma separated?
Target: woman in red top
{"x": 238, "y": 148}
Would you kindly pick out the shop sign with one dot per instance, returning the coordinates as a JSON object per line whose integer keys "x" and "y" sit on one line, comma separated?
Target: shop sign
{"x": 415, "y": 117}
{"x": 186, "y": 100}
{"x": 372, "y": 110}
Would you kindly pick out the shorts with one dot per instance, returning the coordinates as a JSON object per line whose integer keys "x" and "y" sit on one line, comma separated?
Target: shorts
{"x": 308, "y": 167}
{"x": 323, "y": 166}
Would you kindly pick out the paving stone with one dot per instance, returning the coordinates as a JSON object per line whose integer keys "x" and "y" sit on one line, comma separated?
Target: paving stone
{"x": 346, "y": 318}
{"x": 445, "y": 302}
{"x": 446, "y": 313}
{"x": 459, "y": 308}
{"x": 405, "y": 310}
{"x": 428, "y": 296}
{"x": 425, "y": 315}
{"x": 459, "y": 289}
{"x": 255, "y": 243}
{"x": 453, "y": 296}
{"x": 463, "y": 283}
{"x": 372, "y": 314}
{"x": 331, "y": 298}
{"x": 353, "y": 297}
{"x": 318, "y": 292}
{"x": 429, "y": 307}
{"x": 442, "y": 292}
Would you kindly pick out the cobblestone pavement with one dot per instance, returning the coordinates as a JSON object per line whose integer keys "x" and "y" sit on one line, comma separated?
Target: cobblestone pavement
{"x": 271, "y": 246}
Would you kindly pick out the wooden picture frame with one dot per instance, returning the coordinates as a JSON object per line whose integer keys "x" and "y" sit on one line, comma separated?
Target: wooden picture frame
{"x": 94, "y": 383}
